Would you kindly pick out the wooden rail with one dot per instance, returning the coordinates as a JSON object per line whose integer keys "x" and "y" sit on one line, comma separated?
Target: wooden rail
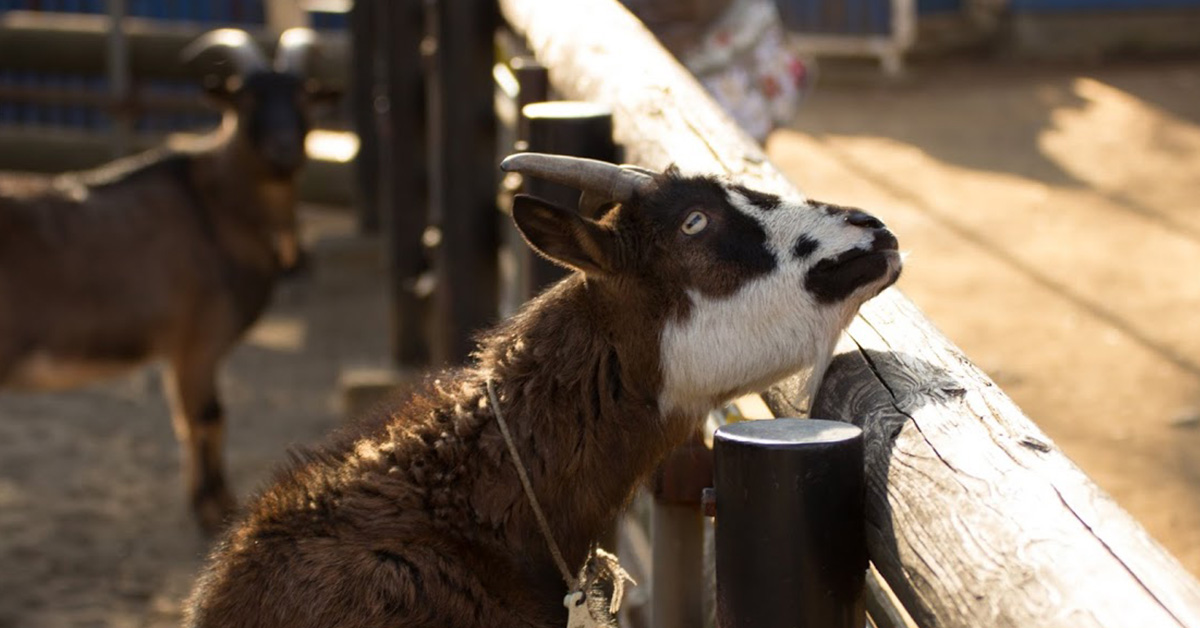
{"x": 975, "y": 518}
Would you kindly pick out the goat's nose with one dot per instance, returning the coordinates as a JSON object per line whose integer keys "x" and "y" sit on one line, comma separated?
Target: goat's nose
{"x": 863, "y": 219}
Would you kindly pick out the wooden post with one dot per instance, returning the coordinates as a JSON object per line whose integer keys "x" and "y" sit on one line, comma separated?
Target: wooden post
{"x": 520, "y": 82}
{"x": 366, "y": 68}
{"x": 462, "y": 127}
{"x": 533, "y": 80}
{"x": 790, "y": 530}
{"x": 677, "y": 533}
{"x": 402, "y": 171}
{"x": 579, "y": 129}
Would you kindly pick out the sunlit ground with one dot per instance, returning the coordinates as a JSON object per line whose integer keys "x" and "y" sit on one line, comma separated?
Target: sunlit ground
{"x": 1054, "y": 220}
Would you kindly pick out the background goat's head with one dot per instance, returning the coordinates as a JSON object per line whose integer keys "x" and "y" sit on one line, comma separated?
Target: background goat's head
{"x": 746, "y": 286}
{"x": 267, "y": 104}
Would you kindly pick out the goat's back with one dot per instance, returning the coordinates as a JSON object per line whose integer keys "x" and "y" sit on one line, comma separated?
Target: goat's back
{"x": 100, "y": 267}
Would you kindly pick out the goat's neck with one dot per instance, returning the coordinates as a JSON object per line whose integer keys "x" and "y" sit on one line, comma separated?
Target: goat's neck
{"x": 579, "y": 391}
{"x": 249, "y": 210}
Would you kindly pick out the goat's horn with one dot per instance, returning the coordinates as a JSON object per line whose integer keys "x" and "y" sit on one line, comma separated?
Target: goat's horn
{"x": 295, "y": 47}
{"x": 599, "y": 179}
{"x": 241, "y": 49}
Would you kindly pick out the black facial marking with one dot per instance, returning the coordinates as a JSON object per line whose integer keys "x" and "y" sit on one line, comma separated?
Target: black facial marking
{"x": 804, "y": 247}
{"x": 744, "y": 244}
{"x": 762, "y": 200}
{"x": 834, "y": 279}
{"x": 720, "y": 259}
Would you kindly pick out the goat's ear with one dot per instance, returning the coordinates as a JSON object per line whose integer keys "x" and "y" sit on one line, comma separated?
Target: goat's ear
{"x": 564, "y": 237}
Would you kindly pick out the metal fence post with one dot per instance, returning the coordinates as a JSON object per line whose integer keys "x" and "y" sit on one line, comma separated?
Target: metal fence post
{"x": 367, "y": 85}
{"x": 579, "y": 129}
{"x": 402, "y": 193}
{"x": 790, "y": 528}
{"x": 462, "y": 140}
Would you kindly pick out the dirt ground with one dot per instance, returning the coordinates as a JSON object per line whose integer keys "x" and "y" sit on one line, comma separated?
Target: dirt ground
{"x": 1053, "y": 219}
{"x": 1054, "y": 229}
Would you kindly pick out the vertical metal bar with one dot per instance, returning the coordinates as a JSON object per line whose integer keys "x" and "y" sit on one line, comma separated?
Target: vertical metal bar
{"x": 578, "y": 129}
{"x": 790, "y": 531}
{"x": 462, "y": 152}
{"x": 402, "y": 173}
{"x": 365, "y": 68}
{"x": 534, "y": 81}
{"x": 119, "y": 81}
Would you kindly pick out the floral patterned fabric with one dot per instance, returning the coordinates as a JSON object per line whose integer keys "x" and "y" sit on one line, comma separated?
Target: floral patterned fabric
{"x": 744, "y": 61}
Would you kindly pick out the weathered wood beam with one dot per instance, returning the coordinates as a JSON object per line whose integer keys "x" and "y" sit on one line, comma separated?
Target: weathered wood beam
{"x": 975, "y": 517}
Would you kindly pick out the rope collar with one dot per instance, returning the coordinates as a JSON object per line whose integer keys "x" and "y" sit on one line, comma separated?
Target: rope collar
{"x": 533, "y": 502}
{"x": 599, "y": 564}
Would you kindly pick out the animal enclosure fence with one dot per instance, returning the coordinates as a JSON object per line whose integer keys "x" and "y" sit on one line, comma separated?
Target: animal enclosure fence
{"x": 83, "y": 81}
{"x": 973, "y": 516}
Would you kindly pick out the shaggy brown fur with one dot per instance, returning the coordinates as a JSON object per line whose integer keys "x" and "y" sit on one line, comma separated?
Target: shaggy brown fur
{"x": 419, "y": 519}
{"x": 375, "y": 531}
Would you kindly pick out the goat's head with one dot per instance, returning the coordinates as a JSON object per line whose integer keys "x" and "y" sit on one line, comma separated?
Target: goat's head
{"x": 268, "y": 104}
{"x": 746, "y": 287}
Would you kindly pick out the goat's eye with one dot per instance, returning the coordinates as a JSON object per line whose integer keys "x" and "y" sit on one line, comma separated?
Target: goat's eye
{"x": 694, "y": 223}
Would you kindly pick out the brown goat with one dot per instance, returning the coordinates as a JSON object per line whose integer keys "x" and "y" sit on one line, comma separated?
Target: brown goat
{"x": 690, "y": 291}
{"x": 169, "y": 255}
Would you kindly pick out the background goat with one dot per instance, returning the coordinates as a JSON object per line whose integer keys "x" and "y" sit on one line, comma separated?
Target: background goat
{"x": 170, "y": 254}
{"x": 691, "y": 291}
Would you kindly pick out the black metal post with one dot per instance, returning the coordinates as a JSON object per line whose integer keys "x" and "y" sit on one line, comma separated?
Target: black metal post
{"x": 533, "y": 80}
{"x": 462, "y": 146}
{"x": 578, "y": 129}
{"x": 790, "y": 531}
{"x": 365, "y": 68}
{"x": 520, "y": 82}
{"x": 403, "y": 173}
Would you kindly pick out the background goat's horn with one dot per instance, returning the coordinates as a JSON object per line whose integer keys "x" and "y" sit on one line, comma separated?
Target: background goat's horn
{"x": 599, "y": 179}
{"x": 295, "y": 46}
{"x": 238, "y": 48}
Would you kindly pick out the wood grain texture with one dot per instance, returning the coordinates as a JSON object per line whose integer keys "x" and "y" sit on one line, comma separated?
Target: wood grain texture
{"x": 975, "y": 518}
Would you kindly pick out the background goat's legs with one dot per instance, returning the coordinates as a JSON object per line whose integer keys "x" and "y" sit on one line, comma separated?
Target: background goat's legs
{"x": 200, "y": 427}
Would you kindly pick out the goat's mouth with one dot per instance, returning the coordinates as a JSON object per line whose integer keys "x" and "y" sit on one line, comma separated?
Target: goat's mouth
{"x": 836, "y": 278}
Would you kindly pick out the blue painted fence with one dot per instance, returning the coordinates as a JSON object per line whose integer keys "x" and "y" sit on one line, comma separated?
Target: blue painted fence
{"x": 247, "y": 13}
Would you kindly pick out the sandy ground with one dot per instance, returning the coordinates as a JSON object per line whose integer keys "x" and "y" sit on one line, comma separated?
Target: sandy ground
{"x": 1054, "y": 224}
{"x": 1055, "y": 232}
